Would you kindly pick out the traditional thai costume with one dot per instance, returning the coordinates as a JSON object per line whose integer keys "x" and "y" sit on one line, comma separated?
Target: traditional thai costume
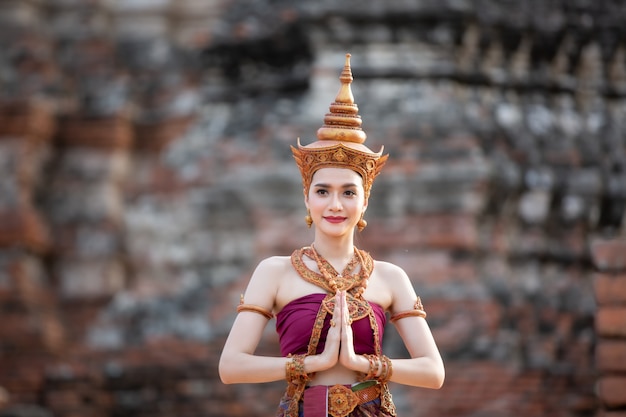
{"x": 303, "y": 324}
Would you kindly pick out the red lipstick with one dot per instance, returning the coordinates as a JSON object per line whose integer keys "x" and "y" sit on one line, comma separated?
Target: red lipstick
{"x": 334, "y": 219}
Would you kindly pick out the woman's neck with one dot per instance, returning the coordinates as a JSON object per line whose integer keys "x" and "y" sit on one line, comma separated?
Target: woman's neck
{"x": 338, "y": 252}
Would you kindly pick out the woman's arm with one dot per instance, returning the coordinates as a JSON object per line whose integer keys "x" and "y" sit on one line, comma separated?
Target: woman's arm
{"x": 238, "y": 363}
{"x": 425, "y": 367}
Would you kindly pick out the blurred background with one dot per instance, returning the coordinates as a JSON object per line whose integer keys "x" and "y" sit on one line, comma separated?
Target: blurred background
{"x": 145, "y": 169}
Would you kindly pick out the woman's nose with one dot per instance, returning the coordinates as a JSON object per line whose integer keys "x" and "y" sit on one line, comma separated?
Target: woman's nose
{"x": 335, "y": 203}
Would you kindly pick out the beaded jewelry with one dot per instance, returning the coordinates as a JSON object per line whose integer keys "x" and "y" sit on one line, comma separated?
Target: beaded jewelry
{"x": 374, "y": 363}
{"x": 380, "y": 368}
{"x": 294, "y": 370}
{"x": 387, "y": 370}
{"x": 348, "y": 280}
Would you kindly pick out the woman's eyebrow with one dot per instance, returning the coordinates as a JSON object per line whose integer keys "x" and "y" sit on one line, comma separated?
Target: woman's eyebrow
{"x": 324, "y": 185}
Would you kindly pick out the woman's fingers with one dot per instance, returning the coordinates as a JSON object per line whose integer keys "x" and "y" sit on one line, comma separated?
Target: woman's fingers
{"x": 334, "y": 333}
{"x": 330, "y": 355}
{"x": 347, "y": 354}
{"x": 345, "y": 311}
{"x": 336, "y": 321}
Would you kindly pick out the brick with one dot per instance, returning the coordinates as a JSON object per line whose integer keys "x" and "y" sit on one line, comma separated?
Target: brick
{"x": 444, "y": 231}
{"x": 32, "y": 120}
{"x": 193, "y": 388}
{"x": 83, "y": 202}
{"x": 610, "y": 289}
{"x": 31, "y": 332}
{"x": 89, "y": 240}
{"x": 611, "y": 355}
{"x": 20, "y": 168}
{"x": 20, "y": 12}
{"x": 434, "y": 268}
{"x": 4, "y": 397}
{"x": 24, "y": 227}
{"x": 29, "y": 282}
{"x": 155, "y": 137}
{"x": 110, "y": 133}
{"x": 605, "y": 413}
{"x": 92, "y": 165}
{"x": 611, "y": 322}
{"x": 528, "y": 241}
{"x": 609, "y": 255}
{"x": 63, "y": 399}
{"x": 611, "y": 391}
{"x": 90, "y": 278}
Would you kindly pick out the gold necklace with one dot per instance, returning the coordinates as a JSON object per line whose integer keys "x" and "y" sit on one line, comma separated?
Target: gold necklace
{"x": 353, "y": 283}
{"x": 336, "y": 281}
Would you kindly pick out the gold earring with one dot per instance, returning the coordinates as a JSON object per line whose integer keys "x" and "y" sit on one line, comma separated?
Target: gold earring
{"x": 308, "y": 219}
{"x": 361, "y": 224}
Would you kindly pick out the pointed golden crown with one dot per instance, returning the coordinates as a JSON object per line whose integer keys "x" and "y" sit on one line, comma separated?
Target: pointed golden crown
{"x": 340, "y": 141}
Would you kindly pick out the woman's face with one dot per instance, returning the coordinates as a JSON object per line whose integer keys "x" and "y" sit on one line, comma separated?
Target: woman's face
{"x": 336, "y": 200}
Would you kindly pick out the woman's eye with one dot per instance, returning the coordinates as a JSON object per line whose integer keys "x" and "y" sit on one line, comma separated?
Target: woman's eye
{"x": 321, "y": 191}
{"x": 350, "y": 193}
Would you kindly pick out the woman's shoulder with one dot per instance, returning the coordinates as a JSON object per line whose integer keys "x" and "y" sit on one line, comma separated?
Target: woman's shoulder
{"x": 389, "y": 269}
{"x": 274, "y": 264}
{"x": 268, "y": 274}
{"x": 386, "y": 281}
{"x": 398, "y": 284}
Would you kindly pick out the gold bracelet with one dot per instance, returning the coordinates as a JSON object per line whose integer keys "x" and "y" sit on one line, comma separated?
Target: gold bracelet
{"x": 294, "y": 370}
{"x": 256, "y": 309}
{"x": 374, "y": 366}
{"x": 418, "y": 311}
{"x": 385, "y": 375}
{"x": 253, "y": 308}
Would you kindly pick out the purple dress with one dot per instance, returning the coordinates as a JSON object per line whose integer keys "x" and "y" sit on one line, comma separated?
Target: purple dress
{"x": 294, "y": 325}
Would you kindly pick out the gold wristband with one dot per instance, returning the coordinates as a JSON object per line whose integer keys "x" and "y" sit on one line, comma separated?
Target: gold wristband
{"x": 294, "y": 370}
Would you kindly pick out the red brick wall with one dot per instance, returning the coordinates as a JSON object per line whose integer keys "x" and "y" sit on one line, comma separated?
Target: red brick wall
{"x": 141, "y": 182}
{"x": 609, "y": 256}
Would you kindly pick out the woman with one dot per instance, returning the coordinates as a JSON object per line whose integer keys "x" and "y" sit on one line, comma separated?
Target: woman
{"x": 330, "y": 299}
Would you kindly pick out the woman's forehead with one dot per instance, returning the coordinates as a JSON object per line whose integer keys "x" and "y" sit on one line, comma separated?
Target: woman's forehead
{"x": 341, "y": 175}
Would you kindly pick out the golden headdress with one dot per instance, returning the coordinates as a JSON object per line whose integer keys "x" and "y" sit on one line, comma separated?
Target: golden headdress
{"x": 340, "y": 141}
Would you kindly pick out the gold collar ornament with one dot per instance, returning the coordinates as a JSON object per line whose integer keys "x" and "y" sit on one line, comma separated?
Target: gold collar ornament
{"x": 340, "y": 141}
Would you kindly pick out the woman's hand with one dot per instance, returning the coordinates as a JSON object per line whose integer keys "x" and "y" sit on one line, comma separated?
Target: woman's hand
{"x": 330, "y": 356}
{"x": 347, "y": 356}
{"x": 339, "y": 346}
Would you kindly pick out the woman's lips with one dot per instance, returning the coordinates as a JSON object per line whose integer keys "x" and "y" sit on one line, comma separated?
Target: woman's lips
{"x": 332, "y": 219}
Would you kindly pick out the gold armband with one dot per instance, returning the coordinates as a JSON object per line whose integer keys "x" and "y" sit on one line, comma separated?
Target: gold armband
{"x": 253, "y": 308}
{"x": 418, "y": 311}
